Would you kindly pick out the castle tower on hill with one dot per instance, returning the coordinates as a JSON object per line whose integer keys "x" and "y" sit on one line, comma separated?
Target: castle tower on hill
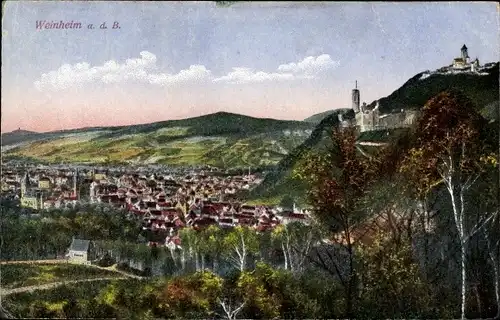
{"x": 355, "y": 98}
{"x": 371, "y": 118}
{"x": 463, "y": 62}
{"x": 465, "y": 55}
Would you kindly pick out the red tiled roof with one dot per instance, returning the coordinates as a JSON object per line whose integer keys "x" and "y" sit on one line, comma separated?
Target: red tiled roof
{"x": 155, "y": 212}
{"x": 169, "y": 211}
{"x": 209, "y": 210}
{"x": 297, "y": 216}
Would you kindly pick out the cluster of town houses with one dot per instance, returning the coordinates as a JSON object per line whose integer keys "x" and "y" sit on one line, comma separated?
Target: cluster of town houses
{"x": 164, "y": 203}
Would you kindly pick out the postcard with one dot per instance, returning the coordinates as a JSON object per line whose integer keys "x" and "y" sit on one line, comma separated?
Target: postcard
{"x": 253, "y": 160}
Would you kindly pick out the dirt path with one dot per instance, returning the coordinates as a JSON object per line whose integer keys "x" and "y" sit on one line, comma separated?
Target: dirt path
{"x": 113, "y": 268}
{"x": 4, "y": 314}
{"x": 4, "y": 292}
{"x": 34, "y": 261}
{"x": 62, "y": 261}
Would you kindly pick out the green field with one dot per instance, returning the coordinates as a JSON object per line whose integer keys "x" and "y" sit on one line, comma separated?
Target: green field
{"x": 21, "y": 305}
{"x": 218, "y": 151}
{"x": 24, "y": 275}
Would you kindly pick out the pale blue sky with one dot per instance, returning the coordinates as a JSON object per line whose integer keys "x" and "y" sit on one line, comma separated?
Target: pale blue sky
{"x": 379, "y": 44}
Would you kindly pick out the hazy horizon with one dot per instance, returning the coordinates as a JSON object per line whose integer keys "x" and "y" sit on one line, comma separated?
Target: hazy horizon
{"x": 175, "y": 60}
{"x": 143, "y": 123}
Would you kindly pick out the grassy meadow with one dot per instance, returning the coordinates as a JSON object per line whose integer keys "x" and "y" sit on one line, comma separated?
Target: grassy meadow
{"x": 24, "y": 275}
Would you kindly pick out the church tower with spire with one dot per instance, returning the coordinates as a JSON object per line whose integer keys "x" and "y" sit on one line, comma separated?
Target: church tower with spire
{"x": 25, "y": 182}
{"x": 75, "y": 185}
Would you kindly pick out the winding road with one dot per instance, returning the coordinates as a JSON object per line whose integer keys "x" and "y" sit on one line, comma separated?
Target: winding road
{"x": 4, "y": 314}
{"x": 61, "y": 261}
{"x": 4, "y": 292}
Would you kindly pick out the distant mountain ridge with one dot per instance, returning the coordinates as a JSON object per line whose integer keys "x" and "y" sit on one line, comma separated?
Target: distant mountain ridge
{"x": 316, "y": 118}
{"x": 17, "y": 136}
{"x": 222, "y": 139}
{"x": 214, "y": 123}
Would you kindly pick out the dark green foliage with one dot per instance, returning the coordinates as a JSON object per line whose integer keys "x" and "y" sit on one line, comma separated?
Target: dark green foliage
{"x": 483, "y": 90}
{"x": 380, "y": 135}
{"x": 39, "y": 310}
{"x": 319, "y": 116}
{"x": 124, "y": 267}
{"x": 106, "y": 261}
{"x": 278, "y": 176}
{"x": 220, "y": 123}
{"x": 23, "y": 275}
{"x": 287, "y": 202}
{"x": 27, "y": 239}
{"x": 36, "y": 304}
{"x": 71, "y": 309}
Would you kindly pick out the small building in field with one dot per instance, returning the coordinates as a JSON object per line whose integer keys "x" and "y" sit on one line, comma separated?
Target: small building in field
{"x": 81, "y": 251}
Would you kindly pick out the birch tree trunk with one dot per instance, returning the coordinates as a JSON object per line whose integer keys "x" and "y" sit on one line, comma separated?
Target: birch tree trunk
{"x": 497, "y": 287}
{"x": 215, "y": 265}
{"x": 290, "y": 253}
{"x": 284, "y": 255}
{"x": 243, "y": 254}
{"x": 464, "y": 286}
{"x": 448, "y": 177}
{"x": 495, "y": 265}
{"x": 183, "y": 260}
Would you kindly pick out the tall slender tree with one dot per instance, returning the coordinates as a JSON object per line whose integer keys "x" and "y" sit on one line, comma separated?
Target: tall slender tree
{"x": 449, "y": 151}
{"x": 337, "y": 179}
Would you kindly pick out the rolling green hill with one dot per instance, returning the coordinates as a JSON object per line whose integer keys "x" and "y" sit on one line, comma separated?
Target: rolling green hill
{"x": 17, "y": 136}
{"x": 220, "y": 139}
{"x": 316, "y": 118}
{"x": 279, "y": 182}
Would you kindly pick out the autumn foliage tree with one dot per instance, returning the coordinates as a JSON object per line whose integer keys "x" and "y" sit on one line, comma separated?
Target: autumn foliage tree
{"x": 192, "y": 296}
{"x": 337, "y": 179}
{"x": 391, "y": 284}
{"x": 450, "y": 150}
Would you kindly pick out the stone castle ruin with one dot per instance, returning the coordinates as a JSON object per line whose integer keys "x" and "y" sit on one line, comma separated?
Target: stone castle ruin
{"x": 367, "y": 119}
{"x": 371, "y": 119}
